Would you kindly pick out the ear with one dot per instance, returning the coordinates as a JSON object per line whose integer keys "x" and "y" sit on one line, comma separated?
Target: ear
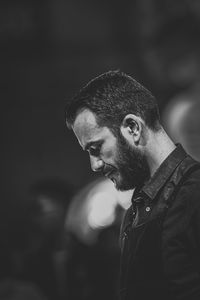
{"x": 131, "y": 128}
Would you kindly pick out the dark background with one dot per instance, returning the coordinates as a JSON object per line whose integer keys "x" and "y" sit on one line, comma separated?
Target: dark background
{"x": 49, "y": 49}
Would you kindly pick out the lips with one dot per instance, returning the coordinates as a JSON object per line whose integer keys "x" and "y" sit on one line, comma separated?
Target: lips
{"x": 110, "y": 174}
{"x": 107, "y": 173}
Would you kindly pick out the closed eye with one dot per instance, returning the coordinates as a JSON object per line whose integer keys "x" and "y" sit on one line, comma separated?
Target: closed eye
{"x": 94, "y": 151}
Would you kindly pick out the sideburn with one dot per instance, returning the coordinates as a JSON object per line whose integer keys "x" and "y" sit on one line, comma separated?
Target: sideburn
{"x": 132, "y": 164}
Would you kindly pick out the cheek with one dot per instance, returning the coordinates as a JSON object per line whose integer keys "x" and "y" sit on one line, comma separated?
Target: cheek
{"x": 109, "y": 154}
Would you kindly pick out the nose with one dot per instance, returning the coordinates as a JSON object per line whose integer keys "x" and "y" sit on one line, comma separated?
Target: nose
{"x": 96, "y": 163}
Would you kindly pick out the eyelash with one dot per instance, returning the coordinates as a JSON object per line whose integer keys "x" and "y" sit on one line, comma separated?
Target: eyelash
{"x": 94, "y": 151}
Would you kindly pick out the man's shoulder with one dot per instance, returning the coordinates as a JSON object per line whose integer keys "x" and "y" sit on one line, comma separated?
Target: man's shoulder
{"x": 195, "y": 175}
{"x": 187, "y": 170}
{"x": 186, "y": 181}
{"x": 189, "y": 186}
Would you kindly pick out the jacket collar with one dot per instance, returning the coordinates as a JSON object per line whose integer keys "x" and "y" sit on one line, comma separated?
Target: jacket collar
{"x": 158, "y": 180}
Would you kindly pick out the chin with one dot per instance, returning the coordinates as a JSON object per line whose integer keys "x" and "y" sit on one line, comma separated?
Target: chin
{"x": 123, "y": 186}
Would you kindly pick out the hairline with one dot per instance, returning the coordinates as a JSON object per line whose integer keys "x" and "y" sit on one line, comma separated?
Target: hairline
{"x": 114, "y": 129}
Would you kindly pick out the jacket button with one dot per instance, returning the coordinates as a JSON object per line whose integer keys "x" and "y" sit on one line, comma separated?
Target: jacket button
{"x": 147, "y": 208}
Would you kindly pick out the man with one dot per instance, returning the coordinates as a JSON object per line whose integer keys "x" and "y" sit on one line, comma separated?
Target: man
{"x": 117, "y": 121}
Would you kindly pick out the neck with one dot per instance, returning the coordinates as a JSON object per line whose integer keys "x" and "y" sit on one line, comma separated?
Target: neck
{"x": 159, "y": 147}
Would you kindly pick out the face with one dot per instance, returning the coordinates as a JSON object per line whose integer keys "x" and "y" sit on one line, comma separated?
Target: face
{"x": 111, "y": 155}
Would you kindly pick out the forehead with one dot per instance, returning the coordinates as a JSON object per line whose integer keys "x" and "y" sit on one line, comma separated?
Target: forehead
{"x": 87, "y": 130}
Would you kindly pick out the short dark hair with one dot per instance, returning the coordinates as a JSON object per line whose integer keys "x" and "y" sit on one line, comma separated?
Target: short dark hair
{"x": 111, "y": 96}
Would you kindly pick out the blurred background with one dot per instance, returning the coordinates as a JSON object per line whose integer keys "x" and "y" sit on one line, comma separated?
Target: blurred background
{"x": 59, "y": 231}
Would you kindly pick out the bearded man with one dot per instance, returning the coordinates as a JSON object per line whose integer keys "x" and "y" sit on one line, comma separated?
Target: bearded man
{"x": 116, "y": 120}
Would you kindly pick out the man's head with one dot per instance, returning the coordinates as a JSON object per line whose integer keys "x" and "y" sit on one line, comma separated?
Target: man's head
{"x": 110, "y": 117}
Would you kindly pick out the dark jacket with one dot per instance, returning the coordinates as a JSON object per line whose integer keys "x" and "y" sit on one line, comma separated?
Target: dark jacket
{"x": 160, "y": 234}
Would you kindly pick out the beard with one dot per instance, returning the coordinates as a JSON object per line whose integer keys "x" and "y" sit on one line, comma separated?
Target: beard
{"x": 133, "y": 169}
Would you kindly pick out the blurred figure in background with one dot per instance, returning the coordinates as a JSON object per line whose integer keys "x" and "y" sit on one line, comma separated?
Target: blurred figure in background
{"x": 93, "y": 268}
{"x": 46, "y": 258}
{"x": 117, "y": 121}
{"x": 15, "y": 233}
{"x": 14, "y": 289}
{"x": 42, "y": 259}
{"x": 182, "y": 120}
{"x": 94, "y": 218}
